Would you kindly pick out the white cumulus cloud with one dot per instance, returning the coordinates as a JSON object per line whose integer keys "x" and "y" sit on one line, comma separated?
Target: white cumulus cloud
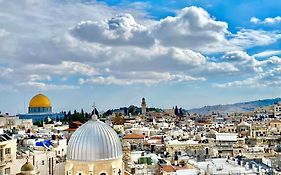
{"x": 192, "y": 28}
{"x": 117, "y": 31}
{"x": 268, "y": 21}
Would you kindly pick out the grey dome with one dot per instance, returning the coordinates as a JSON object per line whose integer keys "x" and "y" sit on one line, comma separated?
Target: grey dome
{"x": 94, "y": 141}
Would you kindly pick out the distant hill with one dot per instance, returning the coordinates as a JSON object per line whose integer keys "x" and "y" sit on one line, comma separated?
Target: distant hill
{"x": 236, "y": 107}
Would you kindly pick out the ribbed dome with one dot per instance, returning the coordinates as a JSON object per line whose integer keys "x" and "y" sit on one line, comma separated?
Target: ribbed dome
{"x": 40, "y": 100}
{"x": 94, "y": 141}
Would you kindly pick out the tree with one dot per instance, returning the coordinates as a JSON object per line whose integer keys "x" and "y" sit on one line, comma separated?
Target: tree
{"x": 87, "y": 116}
{"x": 126, "y": 111}
{"x": 176, "y": 111}
{"x": 108, "y": 113}
{"x": 96, "y": 112}
{"x": 68, "y": 114}
{"x": 278, "y": 148}
{"x": 118, "y": 120}
{"x": 181, "y": 112}
{"x": 132, "y": 110}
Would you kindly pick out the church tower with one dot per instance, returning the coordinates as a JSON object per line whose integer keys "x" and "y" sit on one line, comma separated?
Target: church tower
{"x": 143, "y": 106}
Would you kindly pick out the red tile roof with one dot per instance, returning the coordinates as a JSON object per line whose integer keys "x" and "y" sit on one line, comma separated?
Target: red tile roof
{"x": 77, "y": 122}
{"x": 275, "y": 121}
{"x": 133, "y": 136}
{"x": 70, "y": 129}
{"x": 168, "y": 168}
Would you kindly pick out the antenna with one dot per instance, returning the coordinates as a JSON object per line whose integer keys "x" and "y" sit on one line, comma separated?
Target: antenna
{"x": 94, "y": 116}
{"x": 94, "y": 106}
{"x": 24, "y": 103}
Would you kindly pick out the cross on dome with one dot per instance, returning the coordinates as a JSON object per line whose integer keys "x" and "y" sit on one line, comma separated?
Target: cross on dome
{"x": 94, "y": 116}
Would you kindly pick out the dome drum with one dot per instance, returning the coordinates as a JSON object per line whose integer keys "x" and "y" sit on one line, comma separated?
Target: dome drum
{"x": 96, "y": 168}
{"x": 39, "y": 109}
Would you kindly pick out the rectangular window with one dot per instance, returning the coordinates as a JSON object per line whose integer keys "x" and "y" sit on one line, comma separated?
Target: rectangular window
{"x": 7, "y": 171}
{"x": 1, "y": 155}
{"x": 8, "y": 151}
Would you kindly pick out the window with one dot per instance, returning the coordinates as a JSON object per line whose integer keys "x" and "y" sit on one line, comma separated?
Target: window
{"x": 102, "y": 174}
{"x": 43, "y": 162}
{"x": 7, "y": 170}
{"x": 1, "y": 155}
{"x": 8, "y": 151}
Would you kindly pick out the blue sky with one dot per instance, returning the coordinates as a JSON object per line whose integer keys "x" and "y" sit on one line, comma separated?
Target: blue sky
{"x": 187, "y": 53}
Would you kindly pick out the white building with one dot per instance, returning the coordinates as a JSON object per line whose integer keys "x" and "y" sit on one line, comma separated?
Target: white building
{"x": 12, "y": 121}
{"x": 8, "y": 149}
{"x": 223, "y": 167}
{"x": 277, "y": 110}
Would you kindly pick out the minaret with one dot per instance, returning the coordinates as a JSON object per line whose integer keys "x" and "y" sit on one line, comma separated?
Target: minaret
{"x": 143, "y": 106}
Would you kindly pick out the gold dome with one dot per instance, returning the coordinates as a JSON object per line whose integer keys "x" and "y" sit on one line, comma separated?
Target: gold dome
{"x": 27, "y": 167}
{"x": 40, "y": 100}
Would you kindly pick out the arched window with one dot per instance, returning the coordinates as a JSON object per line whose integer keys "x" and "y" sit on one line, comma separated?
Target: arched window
{"x": 102, "y": 174}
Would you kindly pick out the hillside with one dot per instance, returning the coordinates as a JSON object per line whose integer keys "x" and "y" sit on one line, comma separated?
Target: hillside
{"x": 236, "y": 107}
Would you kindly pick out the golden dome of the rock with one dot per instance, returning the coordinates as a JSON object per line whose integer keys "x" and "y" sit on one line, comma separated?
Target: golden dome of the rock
{"x": 40, "y": 100}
